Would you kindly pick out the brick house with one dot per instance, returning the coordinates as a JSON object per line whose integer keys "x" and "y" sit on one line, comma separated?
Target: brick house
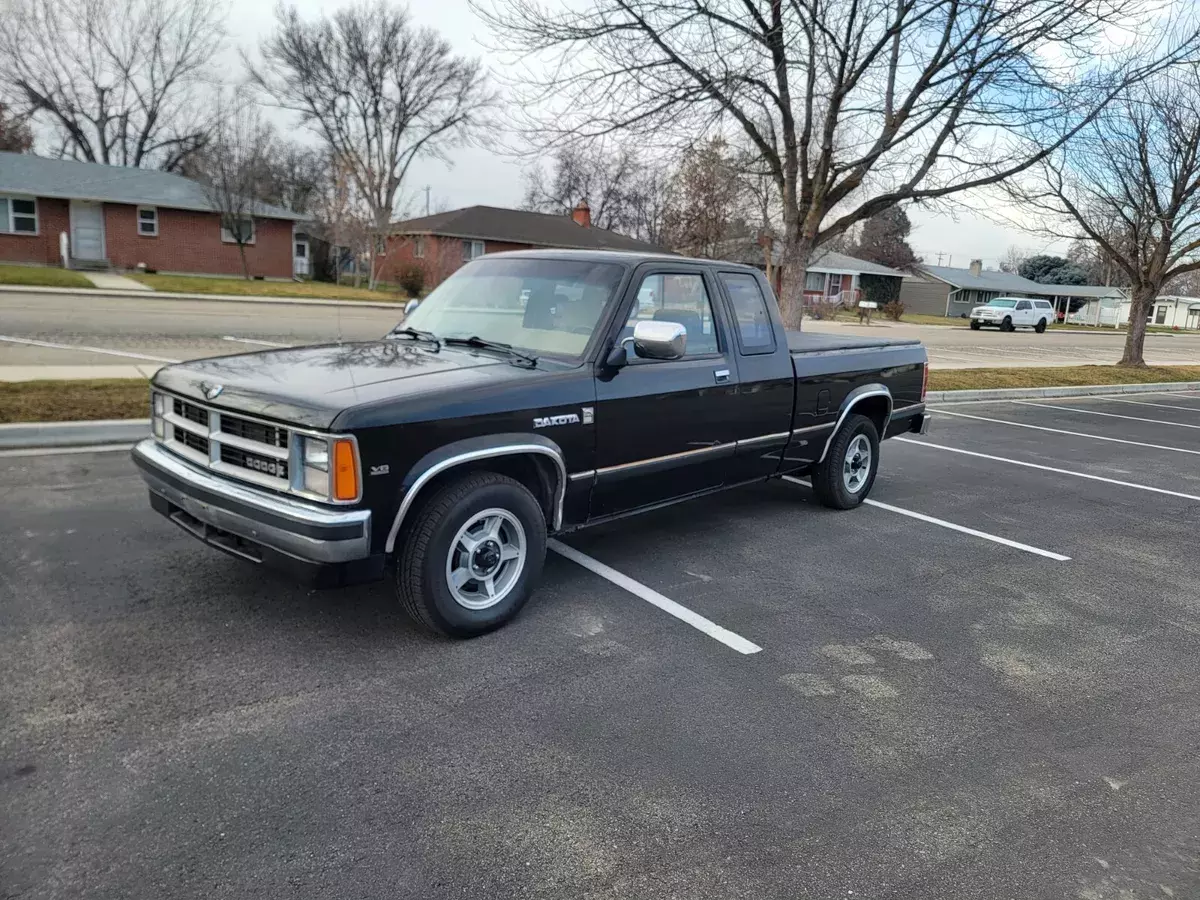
{"x": 440, "y": 243}
{"x": 124, "y": 217}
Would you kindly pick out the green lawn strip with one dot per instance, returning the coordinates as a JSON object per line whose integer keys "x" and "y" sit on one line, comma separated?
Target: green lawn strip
{"x": 67, "y": 401}
{"x": 1055, "y": 376}
{"x": 318, "y": 290}
{"x": 42, "y": 276}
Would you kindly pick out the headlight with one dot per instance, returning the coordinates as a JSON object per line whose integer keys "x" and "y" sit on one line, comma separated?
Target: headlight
{"x": 157, "y": 408}
{"x": 331, "y": 472}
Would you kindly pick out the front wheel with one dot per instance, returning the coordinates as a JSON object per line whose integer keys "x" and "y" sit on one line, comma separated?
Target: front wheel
{"x": 843, "y": 479}
{"x": 975, "y": 326}
{"x": 1007, "y": 324}
{"x": 474, "y": 556}
{"x": 1040, "y": 327}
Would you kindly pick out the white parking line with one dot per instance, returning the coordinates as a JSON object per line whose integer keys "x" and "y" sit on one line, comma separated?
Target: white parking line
{"x": 62, "y": 451}
{"x": 230, "y": 337}
{"x": 33, "y": 343}
{"x": 1147, "y": 403}
{"x": 1096, "y": 412}
{"x": 952, "y": 526}
{"x": 1029, "y": 465}
{"x": 1095, "y": 437}
{"x": 666, "y": 604}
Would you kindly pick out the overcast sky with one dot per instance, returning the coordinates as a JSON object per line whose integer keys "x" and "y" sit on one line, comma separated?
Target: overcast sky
{"x": 480, "y": 176}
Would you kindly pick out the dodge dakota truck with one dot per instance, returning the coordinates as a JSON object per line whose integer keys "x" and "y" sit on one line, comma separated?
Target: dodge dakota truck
{"x": 530, "y": 394}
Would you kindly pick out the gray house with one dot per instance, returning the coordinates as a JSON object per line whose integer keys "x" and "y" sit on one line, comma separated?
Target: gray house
{"x": 947, "y": 291}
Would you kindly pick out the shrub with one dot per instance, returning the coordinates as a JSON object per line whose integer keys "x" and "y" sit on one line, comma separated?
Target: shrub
{"x": 893, "y": 309}
{"x": 820, "y": 309}
{"x": 412, "y": 279}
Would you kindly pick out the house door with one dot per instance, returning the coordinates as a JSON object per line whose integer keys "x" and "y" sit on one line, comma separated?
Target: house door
{"x": 87, "y": 230}
{"x": 300, "y": 264}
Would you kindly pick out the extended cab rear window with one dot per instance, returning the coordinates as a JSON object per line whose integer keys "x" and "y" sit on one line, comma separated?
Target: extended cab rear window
{"x": 754, "y": 330}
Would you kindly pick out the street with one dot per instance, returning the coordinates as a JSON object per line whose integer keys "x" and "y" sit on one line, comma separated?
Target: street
{"x": 121, "y": 333}
{"x": 980, "y": 685}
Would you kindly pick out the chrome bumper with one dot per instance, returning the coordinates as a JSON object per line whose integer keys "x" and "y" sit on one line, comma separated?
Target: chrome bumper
{"x": 212, "y": 509}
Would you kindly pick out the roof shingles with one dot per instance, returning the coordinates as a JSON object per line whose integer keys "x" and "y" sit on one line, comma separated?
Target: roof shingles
{"x": 68, "y": 179}
{"x": 520, "y": 226}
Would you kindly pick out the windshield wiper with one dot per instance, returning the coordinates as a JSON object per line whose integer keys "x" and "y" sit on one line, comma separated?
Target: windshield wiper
{"x": 476, "y": 341}
{"x": 416, "y": 334}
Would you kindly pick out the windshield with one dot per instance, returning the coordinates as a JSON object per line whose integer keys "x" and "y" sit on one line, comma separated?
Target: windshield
{"x": 1007, "y": 304}
{"x": 538, "y": 305}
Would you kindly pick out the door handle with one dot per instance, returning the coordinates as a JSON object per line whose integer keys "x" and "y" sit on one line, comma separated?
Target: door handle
{"x": 722, "y": 376}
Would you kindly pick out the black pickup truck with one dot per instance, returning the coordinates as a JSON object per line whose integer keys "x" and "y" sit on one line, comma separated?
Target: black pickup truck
{"x": 530, "y": 394}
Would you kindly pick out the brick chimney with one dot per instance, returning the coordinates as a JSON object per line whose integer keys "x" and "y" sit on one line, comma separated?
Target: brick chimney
{"x": 976, "y": 267}
{"x": 582, "y": 214}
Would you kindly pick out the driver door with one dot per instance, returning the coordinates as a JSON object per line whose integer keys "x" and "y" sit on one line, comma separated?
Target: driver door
{"x": 1023, "y": 315}
{"x": 666, "y": 428}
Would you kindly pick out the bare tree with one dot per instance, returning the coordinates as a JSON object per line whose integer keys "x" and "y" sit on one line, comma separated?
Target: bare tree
{"x": 237, "y": 165}
{"x": 118, "y": 81}
{"x": 1014, "y": 256}
{"x": 343, "y": 218}
{"x": 378, "y": 91}
{"x": 706, "y": 202}
{"x": 15, "y": 134}
{"x": 853, "y": 105}
{"x": 1130, "y": 182}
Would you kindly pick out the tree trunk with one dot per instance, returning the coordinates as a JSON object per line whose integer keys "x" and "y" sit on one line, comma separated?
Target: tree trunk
{"x": 242, "y": 253}
{"x": 1135, "y": 338}
{"x": 796, "y": 253}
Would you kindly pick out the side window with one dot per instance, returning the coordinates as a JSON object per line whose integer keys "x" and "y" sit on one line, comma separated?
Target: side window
{"x": 1024, "y": 304}
{"x": 755, "y": 333}
{"x": 677, "y": 298}
{"x": 1160, "y": 317}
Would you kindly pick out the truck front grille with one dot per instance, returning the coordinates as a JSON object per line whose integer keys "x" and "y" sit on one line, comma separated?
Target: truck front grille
{"x": 234, "y": 445}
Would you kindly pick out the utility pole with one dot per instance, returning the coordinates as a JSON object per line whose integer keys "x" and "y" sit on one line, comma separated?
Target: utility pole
{"x": 426, "y": 199}
{"x": 940, "y": 255}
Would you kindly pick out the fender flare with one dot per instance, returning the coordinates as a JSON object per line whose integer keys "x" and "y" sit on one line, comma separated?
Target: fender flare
{"x": 860, "y": 393}
{"x": 470, "y": 450}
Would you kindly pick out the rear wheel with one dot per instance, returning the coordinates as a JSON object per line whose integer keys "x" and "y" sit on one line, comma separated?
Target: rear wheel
{"x": 844, "y": 478}
{"x": 1040, "y": 327}
{"x": 1007, "y": 324}
{"x": 474, "y": 556}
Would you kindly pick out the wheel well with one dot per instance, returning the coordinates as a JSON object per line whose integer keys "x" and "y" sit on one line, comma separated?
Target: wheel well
{"x": 535, "y": 471}
{"x": 876, "y": 409}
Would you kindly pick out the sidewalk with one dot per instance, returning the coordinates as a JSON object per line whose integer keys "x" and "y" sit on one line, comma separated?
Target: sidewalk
{"x": 145, "y": 294}
{"x": 72, "y": 373}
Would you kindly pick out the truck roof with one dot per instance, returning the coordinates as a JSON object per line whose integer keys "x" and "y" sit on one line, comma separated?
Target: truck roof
{"x": 621, "y": 257}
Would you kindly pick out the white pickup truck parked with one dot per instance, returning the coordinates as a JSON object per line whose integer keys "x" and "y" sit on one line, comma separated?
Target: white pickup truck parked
{"x": 1009, "y": 313}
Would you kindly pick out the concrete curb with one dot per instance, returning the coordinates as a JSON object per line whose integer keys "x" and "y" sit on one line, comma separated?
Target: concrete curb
{"x": 73, "y": 434}
{"x": 217, "y": 298}
{"x": 1081, "y": 391}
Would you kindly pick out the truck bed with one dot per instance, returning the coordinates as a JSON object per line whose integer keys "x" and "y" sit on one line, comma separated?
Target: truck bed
{"x": 815, "y": 342}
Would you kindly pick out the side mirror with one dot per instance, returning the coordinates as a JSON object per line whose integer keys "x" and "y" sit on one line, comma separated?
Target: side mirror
{"x": 659, "y": 340}
{"x": 411, "y": 305}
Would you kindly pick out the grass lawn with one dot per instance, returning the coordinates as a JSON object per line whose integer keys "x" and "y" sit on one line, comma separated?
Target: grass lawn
{"x": 1055, "y": 376}
{"x": 193, "y": 284}
{"x": 42, "y": 276}
{"x": 65, "y": 401}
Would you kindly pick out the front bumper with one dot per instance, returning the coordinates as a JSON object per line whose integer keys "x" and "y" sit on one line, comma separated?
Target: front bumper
{"x": 258, "y": 525}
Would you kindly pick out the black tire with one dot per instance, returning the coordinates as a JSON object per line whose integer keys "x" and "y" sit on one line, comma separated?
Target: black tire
{"x": 828, "y": 482}
{"x": 421, "y": 581}
{"x": 975, "y": 326}
{"x": 1007, "y": 324}
{"x": 1040, "y": 327}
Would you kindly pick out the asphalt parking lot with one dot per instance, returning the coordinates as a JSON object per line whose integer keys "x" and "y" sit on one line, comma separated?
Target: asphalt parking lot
{"x": 933, "y": 713}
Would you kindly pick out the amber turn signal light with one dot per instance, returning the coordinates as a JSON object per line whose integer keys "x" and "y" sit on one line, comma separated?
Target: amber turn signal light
{"x": 345, "y": 471}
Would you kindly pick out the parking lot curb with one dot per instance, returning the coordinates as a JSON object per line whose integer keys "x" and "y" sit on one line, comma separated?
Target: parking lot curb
{"x": 1078, "y": 391}
{"x": 26, "y": 435}
{"x": 216, "y": 298}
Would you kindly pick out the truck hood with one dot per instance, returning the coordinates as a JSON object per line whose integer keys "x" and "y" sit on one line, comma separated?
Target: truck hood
{"x": 310, "y": 386}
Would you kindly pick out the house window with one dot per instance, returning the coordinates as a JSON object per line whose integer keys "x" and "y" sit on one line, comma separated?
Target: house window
{"x": 814, "y": 281}
{"x": 1160, "y": 316}
{"x": 147, "y": 221}
{"x": 18, "y": 215}
{"x": 472, "y": 250}
{"x": 419, "y": 246}
{"x": 233, "y": 227}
